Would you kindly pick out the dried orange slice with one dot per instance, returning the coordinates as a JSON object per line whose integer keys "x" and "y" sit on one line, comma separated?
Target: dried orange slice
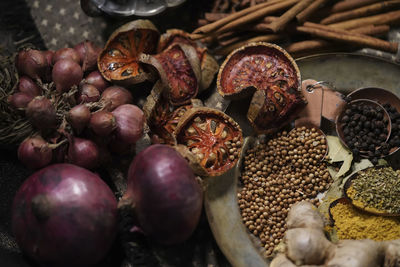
{"x": 212, "y": 136}
{"x": 118, "y": 62}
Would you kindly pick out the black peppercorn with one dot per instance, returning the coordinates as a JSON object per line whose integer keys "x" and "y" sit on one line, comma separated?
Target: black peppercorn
{"x": 377, "y": 131}
{"x": 348, "y": 112}
{"x": 374, "y": 161}
{"x": 345, "y": 118}
{"x": 367, "y": 124}
{"x": 371, "y": 147}
{"x": 346, "y": 131}
{"x": 353, "y": 123}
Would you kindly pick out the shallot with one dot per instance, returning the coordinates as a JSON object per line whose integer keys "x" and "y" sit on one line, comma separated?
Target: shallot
{"x": 95, "y": 78}
{"x": 78, "y": 117}
{"x": 88, "y": 53}
{"x": 164, "y": 194}
{"x": 66, "y": 53}
{"x": 102, "y": 123}
{"x": 130, "y": 122}
{"x": 35, "y": 153}
{"x": 32, "y": 63}
{"x": 41, "y": 113}
{"x": 64, "y": 215}
{"x": 19, "y": 99}
{"x": 83, "y": 152}
{"x": 26, "y": 85}
{"x": 88, "y": 93}
{"x": 66, "y": 73}
{"x": 115, "y": 96}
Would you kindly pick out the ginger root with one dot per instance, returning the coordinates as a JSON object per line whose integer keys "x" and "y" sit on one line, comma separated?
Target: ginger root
{"x": 305, "y": 243}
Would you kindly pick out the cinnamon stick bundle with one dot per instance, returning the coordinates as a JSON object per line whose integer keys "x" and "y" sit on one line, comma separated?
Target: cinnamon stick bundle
{"x": 308, "y": 11}
{"x": 219, "y": 23}
{"x": 258, "y": 14}
{"x": 385, "y": 18}
{"x": 351, "y": 4}
{"x": 215, "y": 16}
{"x": 361, "y": 12}
{"x": 355, "y": 39}
{"x": 283, "y": 20}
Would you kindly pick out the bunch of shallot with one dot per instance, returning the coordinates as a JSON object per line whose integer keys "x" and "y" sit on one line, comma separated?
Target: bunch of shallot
{"x": 78, "y": 115}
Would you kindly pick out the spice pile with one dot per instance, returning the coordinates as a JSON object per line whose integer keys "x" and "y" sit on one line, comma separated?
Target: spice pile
{"x": 277, "y": 174}
{"x": 332, "y": 25}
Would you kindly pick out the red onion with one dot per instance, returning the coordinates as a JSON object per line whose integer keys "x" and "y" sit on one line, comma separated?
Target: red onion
{"x": 130, "y": 121}
{"x": 26, "y": 85}
{"x": 41, "y": 113}
{"x": 35, "y": 153}
{"x": 88, "y": 53}
{"x": 165, "y": 196}
{"x": 66, "y": 53}
{"x": 49, "y": 54}
{"x": 95, "y": 78}
{"x": 116, "y": 96}
{"x": 32, "y": 63}
{"x": 102, "y": 123}
{"x": 66, "y": 73}
{"x": 88, "y": 93}
{"x": 64, "y": 215}
{"x": 19, "y": 99}
{"x": 83, "y": 152}
{"x": 79, "y": 117}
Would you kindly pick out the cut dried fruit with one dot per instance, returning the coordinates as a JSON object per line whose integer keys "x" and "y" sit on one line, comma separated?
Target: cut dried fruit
{"x": 161, "y": 116}
{"x": 179, "y": 69}
{"x": 209, "y": 66}
{"x": 214, "y": 138}
{"x": 118, "y": 62}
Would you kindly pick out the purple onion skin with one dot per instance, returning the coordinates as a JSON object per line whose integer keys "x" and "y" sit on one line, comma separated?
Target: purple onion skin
{"x": 166, "y": 197}
{"x": 20, "y": 99}
{"x": 130, "y": 121}
{"x": 96, "y": 79}
{"x": 32, "y": 63}
{"x": 41, "y": 113}
{"x": 26, "y": 85}
{"x": 88, "y": 53}
{"x": 116, "y": 96}
{"x": 66, "y": 73}
{"x": 34, "y": 153}
{"x": 64, "y": 215}
{"x": 66, "y": 53}
{"x": 83, "y": 152}
{"x": 79, "y": 117}
{"x": 88, "y": 93}
{"x": 102, "y": 123}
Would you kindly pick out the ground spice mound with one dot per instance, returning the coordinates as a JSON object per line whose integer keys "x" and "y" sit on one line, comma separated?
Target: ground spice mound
{"x": 351, "y": 223}
{"x": 277, "y": 174}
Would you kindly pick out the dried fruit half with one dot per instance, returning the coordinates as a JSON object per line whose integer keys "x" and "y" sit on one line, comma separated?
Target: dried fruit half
{"x": 259, "y": 66}
{"x": 162, "y": 118}
{"x": 179, "y": 70}
{"x": 118, "y": 62}
{"x": 212, "y": 136}
{"x": 209, "y": 66}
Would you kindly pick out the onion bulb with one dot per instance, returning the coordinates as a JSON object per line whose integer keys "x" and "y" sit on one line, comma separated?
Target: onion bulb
{"x": 96, "y": 79}
{"x": 35, "y": 153}
{"x": 66, "y": 73}
{"x": 88, "y": 93}
{"x": 41, "y": 113}
{"x": 130, "y": 121}
{"x": 115, "y": 96}
{"x": 32, "y": 63}
{"x": 88, "y": 53}
{"x": 20, "y": 99}
{"x": 102, "y": 123}
{"x": 66, "y": 53}
{"x": 83, "y": 153}
{"x": 78, "y": 117}
{"x": 26, "y": 85}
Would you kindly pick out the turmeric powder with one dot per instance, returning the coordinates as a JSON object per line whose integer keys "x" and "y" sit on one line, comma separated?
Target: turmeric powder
{"x": 351, "y": 223}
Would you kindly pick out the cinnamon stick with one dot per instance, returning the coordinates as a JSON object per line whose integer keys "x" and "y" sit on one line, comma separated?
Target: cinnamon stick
{"x": 215, "y": 16}
{"x": 307, "y": 12}
{"x": 219, "y": 23}
{"x": 318, "y": 44}
{"x": 361, "y": 12}
{"x": 202, "y": 22}
{"x": 385, "y": 18}
{"x": 283, "y": 20}
{"x": 263, "y": 38}
{"x": 258, "y": 15}
{"x": 356, "y": 39}
{"x": 351, "y": 4}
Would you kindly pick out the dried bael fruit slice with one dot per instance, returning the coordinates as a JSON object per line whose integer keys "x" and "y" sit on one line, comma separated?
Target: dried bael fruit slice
{"x": 179, "y": 69}
{"x": 258, "y": 65}
{"x": 162, "y": 118}
{"x": 214, "y": 137}
{"x": 118, "y": 62}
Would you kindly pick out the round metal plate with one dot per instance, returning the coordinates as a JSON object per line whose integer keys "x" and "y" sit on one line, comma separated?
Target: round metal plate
{"x": 344, "y": 72}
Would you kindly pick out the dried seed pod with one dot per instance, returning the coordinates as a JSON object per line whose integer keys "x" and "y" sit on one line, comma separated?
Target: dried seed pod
{"x": 209, "y": 66}
{"x": 201, "y": 130}
{"x": 179, "y": 70}
{"x": 118, "y": 62}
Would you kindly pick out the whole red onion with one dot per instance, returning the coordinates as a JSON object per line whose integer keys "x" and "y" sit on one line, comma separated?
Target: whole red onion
{"x": 66, "y": 53}
{"x": 95, "y": 78}
{"x": 88, "y": 93}
{"x": 78, "y": 117}
{"x": 88, "y": 53}
{"x": 35, "y": 153}
{"x": 83, "y": 152}
{"x": 65, "y": 74}
{"x": 116, "y": 96}
{"x": 130, "y": 121}
{"x": 64, "y": 215}
{"x": 166, "y": 198}
{"x": 102, "y": 123}
{"x": 32, "y": 63}
{"x": 20, "y": 99}
{"x": 26, "y": 85}
{"x": 41, "y": 113}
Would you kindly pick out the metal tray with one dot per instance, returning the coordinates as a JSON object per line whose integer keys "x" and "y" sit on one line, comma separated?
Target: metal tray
{"x": 344, "y": 72}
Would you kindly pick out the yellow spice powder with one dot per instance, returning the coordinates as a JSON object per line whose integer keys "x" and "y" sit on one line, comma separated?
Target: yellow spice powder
{"x": 351, "y": 223}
